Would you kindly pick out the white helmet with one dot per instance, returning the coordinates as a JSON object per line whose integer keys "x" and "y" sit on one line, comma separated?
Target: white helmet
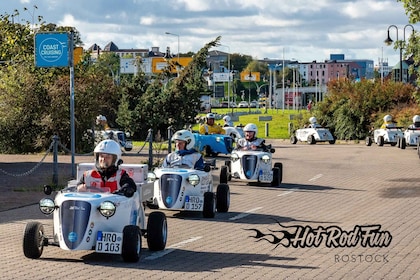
{"x": 185, "y": 135}
{"x": 416, "y": 119}
{"x": 312, "y": 120}
{"x": 210, "y": 116}
{"x": 108, "y": 147}
{"x": 226, "y": 118}
{"x": 251, "y": 127}
{"x": 387, "y": 118}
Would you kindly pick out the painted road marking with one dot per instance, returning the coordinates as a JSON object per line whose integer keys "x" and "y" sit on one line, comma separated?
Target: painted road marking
{"x": 247, "y": 213}
{"x": 286, "y": 193}
{"x": 172, "y": 248}
{"x": 315, "y": 177}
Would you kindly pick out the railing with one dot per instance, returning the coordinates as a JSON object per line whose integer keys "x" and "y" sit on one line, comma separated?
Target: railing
{"x": 56, "y": 145}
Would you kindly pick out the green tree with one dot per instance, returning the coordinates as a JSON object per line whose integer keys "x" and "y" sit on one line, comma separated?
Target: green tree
{"x": 351, "y": 109}
{"x": 175, "y": 102}
{"x": 412, "y": 9}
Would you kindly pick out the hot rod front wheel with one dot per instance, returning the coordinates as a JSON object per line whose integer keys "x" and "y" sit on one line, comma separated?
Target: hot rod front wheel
{"x": 222, "y": 198}
{"x": 209, "y": 208}
{"x": 33, "y": 240}
{"x": 131, "y": 245}
{"x": 157, "y": 231}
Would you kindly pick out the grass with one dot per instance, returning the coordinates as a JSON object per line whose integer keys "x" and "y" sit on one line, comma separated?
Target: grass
{"x": 278, "y": 127}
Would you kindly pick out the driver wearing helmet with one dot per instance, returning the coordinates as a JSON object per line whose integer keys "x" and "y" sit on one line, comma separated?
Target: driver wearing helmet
{"x": 388, "y": 123}
{"x": 184, "y": 153}
{"x": 107, "y": 173}
{"x": 416, "y": 122}
{"x": 228, "y": 121}
{"x": 250, "y": 141}
{"x": 209, "y": 127}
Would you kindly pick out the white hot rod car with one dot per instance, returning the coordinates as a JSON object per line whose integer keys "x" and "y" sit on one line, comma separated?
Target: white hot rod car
{"x": 388, "y": 135}
{"x": 312, "y": 134}
{"x": 252, "y": 166}
{"x": 184, "y": 189}
{"x": 98, "y": 220}
{"x": 411, "y": 134}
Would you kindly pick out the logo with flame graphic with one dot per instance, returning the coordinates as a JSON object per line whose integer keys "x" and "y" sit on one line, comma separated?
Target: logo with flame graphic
{"x": 332, "y": 236}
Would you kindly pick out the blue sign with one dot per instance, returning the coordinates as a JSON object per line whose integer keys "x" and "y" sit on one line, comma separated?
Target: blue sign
{"x": 52, "y": 50}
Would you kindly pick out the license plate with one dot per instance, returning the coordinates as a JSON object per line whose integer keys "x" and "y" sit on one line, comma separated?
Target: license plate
{"x": 194, "y": 203}
{"x": 266, "y": 176}
{"x": 109, "y": 242}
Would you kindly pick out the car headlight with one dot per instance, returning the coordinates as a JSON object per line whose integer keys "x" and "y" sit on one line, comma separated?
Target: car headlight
{"x": 47, "y": 206}
{"x": 218, "y": 139}
{"x": 107, "y": 209}
{"x": 151, "y": 177}
{"x": 234, "y": 157}
{"x": 193, "y": 179}
{"x": 265, "y": 159}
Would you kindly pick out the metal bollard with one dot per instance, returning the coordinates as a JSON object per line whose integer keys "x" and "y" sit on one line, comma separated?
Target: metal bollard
{"x": 150, "y": 139}
{"x": 267, "y": 129}
{"x": 290, "y": 127}
{"x": 169, "y": 139}
{"x": 55, "y": 160}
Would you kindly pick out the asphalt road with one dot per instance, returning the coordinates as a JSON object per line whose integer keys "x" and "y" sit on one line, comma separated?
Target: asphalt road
{"x": 342, "y": 212}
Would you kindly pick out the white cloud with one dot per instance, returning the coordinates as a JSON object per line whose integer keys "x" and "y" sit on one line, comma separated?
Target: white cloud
{"x": 307, "y": 30}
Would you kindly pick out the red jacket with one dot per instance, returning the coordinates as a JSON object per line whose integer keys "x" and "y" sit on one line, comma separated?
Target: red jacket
{"x": 93, "y": 178}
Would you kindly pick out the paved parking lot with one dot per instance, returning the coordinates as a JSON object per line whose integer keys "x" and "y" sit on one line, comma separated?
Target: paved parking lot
{"x": 342, "y": 212}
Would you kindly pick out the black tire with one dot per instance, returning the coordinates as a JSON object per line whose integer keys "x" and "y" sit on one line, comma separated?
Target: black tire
{"x": 311, "y": 140}
{"x": 209, "y": 208}
{"x": 368, "y": 141}
{"x": 403, "y": 143}
{"x": 332, "y": 142}
{"x": 293, "y": 140}
{"x": 380, "y": 141}
{"x": 399, "y": 142}
{"x": 224, "y": 176}
{"x": 276, "y": 177}
{"x": 229, "y": 165}
{"x": 131, "y": 245}
{"x": 222, "y": 198}
{"x": 418, "y": 149}
{"x": 279, "y": 165}
{"x": 33, "y": 240}
{"x": 157, "y": 231}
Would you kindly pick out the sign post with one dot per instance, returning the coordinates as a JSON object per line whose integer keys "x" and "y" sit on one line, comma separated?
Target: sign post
{"x": 55, "y": 49}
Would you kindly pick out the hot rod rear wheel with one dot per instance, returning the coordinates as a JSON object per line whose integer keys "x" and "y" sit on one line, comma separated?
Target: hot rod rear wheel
{"x": 293, "y": 139}
{"x": 157, "y": 231}
{"x": 209, "y": 207}
{"x": 222, "y": 198}
{"x": 403, "y": 143}
{"x": 131, "y": 245}
{"x": 33, "y": 240}
{"x": 224, "y": 174}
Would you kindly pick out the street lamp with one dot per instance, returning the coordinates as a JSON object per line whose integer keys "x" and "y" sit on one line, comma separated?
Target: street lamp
{"x": 173, "y": 34}
{"x": 228, "y": 74}
{"x": 249, "y": 91}
{"x": 388, "y": 41}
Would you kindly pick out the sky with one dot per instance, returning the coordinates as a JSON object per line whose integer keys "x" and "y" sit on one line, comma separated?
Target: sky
{"x": 303, "y": 30}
